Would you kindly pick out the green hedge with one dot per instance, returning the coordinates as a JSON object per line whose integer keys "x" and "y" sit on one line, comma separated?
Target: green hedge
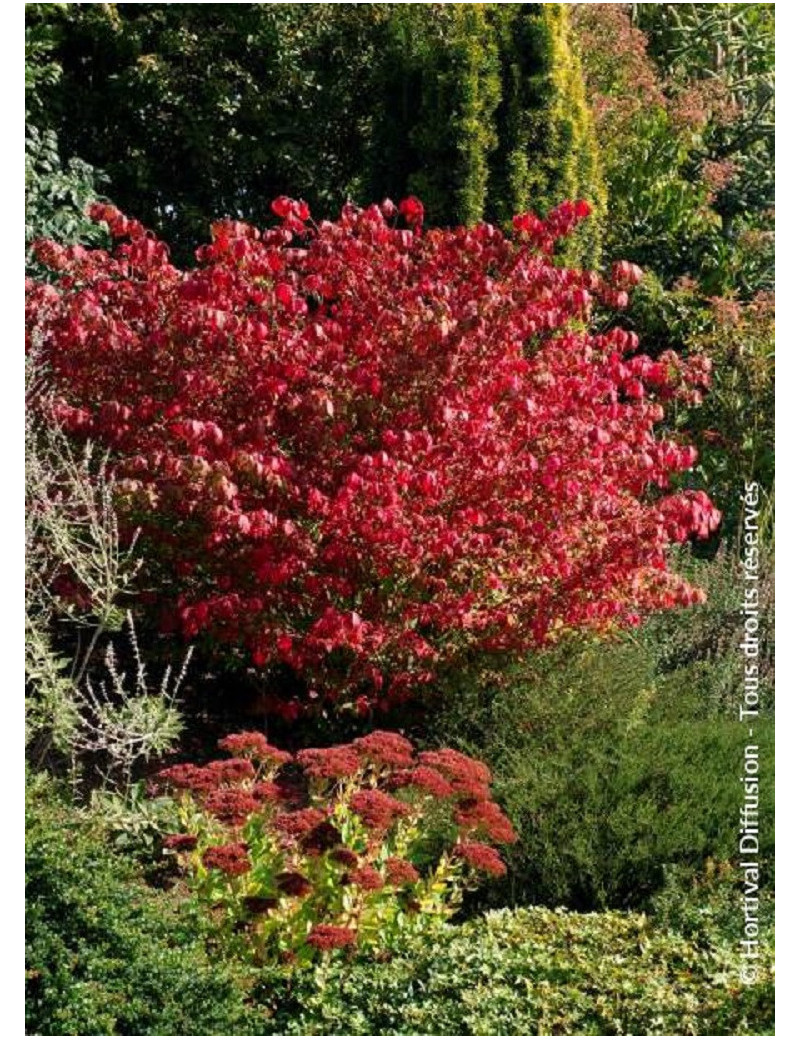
{"x": 539, "y": 972}
{"x": 104, "y": 954}
{"x": 608, "y": 770}
{"x": 198, "y": 111}
{"x": 437, "y": 89}
{"x": 548, "y": 149}
{"x": 482, "y": 113}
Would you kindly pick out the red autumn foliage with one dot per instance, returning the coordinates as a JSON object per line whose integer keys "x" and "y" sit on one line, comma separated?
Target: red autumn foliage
{"x": 345, "y": 856}
{"x": 426, "y": 779}
{"x": 385, "y": 749}
{"x": 231, "y": 806}
{"x": 331, "y": 763}
{"x": 299, "y": 823}
{"x": 180, "y": 842}
{"x": 321, "y": 838}
{"x": 485, "y": 818}
{"x": 360, "y": 450}
{"x": 187, "y": 777}
{"x": 231, "y": 770}
{"x": 291, "y": 883}
{"x": 377, "y": 810}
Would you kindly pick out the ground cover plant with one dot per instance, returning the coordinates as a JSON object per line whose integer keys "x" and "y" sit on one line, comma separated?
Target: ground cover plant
{"x": 107, "y": 954}
{"x": 539, "y": 972}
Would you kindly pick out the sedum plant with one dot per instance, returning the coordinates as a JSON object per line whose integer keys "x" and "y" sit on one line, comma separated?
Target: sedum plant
{"x": 332, "y": 848}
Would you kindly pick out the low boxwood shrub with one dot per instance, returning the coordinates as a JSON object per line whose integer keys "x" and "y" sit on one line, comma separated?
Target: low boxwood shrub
{"x": 105, "y": 955}
{"x": 540, "y": 972}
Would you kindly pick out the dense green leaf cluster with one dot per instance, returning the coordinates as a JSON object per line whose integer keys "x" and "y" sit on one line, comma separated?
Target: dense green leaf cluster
{"x": 697, "y": 653}
{"x": 685, "y": 117}
{"x": 56, "y": 192}
{"x": 200, "y": 111}
{"x": 540, "y": 972}
{"x": 737, "y": 417}
{"x": 732, "y": 45}
{"x": 105, "y": 955}
{"x": 614, "y": 761}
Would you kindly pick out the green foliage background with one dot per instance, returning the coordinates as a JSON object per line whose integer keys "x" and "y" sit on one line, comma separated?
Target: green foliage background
{"x": 106, "y": 955}
{"x": 201, "y": 111}
{"x": 610, "y": 773}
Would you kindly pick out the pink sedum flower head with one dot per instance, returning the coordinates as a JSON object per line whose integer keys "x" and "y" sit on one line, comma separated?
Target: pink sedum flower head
{"x": 331, "y": 937}
{"x": 230, "y": 859}
{"x": 481, "y": 857}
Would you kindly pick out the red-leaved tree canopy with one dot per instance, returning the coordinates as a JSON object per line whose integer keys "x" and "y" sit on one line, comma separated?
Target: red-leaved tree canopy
{"x": 360, "y": 449}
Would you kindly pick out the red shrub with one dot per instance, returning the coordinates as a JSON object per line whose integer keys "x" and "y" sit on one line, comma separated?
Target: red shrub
{"x": 359, "y": 451}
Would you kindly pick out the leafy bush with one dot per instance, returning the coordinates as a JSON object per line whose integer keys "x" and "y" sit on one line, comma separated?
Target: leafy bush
{"x": 594, "y": 756}
{"x": 658, "y": 205}
{"x": 56, "y": 193}
{"x": 205, "y": 110}
{"x": 697, "y": 653}
{"x": 540, "y": 972}
{"x": 105, "y": 955}
{"x": 706, "y": 906}
{"x": 685, "y": 118}
{"x": 667, "y": 318}
{"x": 481, "y": 111}
{"x": 437, "y": 91}
{"x": 56, "y": 197}
{"x": 738, "y": 415}
{"x": 328, "y": 858}
{"x": 353, "y": 506}
{"x": 727, "y": 53}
